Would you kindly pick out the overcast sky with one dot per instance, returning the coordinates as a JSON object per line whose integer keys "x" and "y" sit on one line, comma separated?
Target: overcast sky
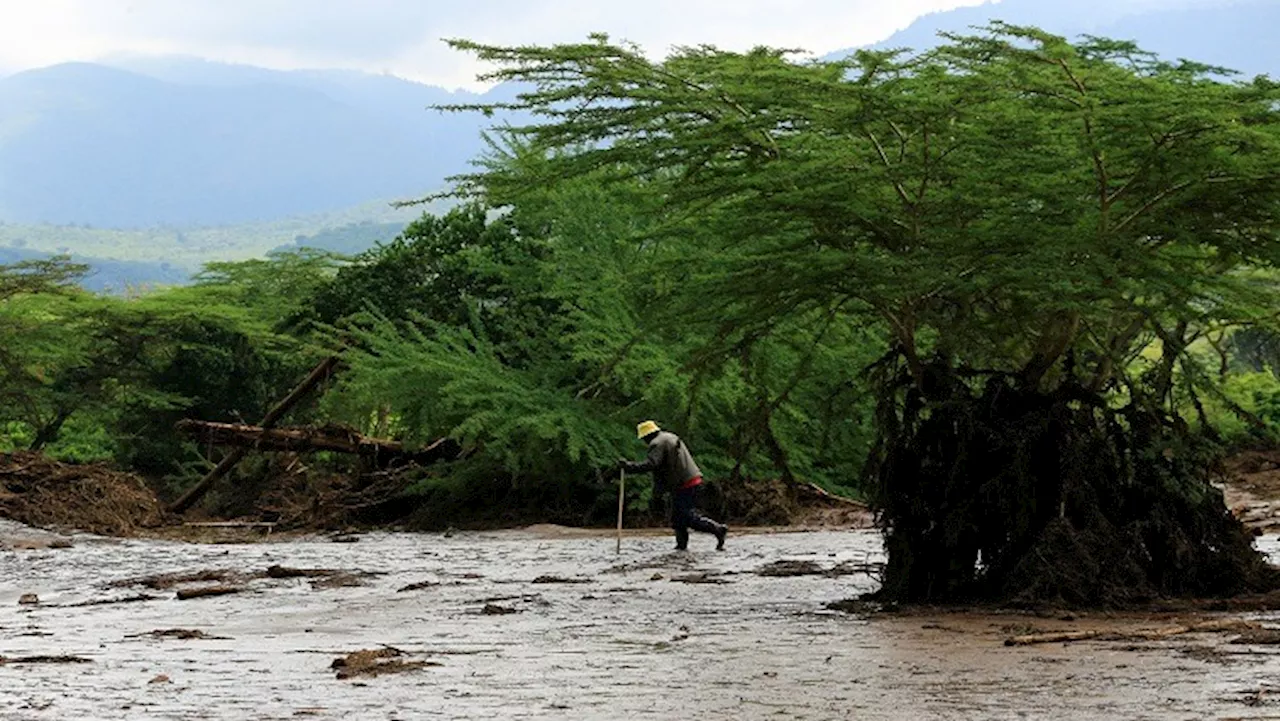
{"x": 403, "y": 36}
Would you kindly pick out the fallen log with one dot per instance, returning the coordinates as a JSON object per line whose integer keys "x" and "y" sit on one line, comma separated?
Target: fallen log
{"x": 814, "y": 491}
{"x": 324, "y": 438}
{"x": 187, "y": 594}
{"x": 230, "y": 524}
{"x": 6, "y": 660}
{"x": 318, "y": 375}
{"x": 1154, "y": 634}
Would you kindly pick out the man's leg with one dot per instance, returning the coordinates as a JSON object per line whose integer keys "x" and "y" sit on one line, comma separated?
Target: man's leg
{"x": 698, "y": 522}
{"x": 682, "y": 538}
{"x": 682, "y": 514}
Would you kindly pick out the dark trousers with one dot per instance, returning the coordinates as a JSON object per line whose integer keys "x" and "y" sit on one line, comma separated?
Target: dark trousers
{"x": 685, "y": 515}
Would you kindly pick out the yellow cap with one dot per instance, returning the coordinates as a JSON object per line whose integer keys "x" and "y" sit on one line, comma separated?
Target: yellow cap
{"x": 646, "y": 428}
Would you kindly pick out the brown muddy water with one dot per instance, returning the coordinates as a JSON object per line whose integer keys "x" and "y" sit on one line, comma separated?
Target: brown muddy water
{"x": 647, "y": 634}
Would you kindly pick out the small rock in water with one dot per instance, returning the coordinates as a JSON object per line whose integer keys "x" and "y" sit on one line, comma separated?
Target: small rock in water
{"x": 161, "y": 678}
{"x": 28, "y": 599}
{"x": 493, "y": 609}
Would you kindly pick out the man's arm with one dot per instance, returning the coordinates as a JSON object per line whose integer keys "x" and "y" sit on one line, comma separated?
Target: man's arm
{"x": 652, "y": 461}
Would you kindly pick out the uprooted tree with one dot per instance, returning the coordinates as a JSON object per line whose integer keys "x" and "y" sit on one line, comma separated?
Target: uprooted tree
{"x": 1045, "y": 230}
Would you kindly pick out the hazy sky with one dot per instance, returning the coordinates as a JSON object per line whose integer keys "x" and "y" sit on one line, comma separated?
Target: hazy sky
{"x": 403, "y": 36}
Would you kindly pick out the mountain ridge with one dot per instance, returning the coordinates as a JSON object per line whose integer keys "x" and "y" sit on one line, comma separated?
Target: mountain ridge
{"x": 86, "y": 143}
{"x": 1235, "y": 34}
{"x": 147, "y": 141}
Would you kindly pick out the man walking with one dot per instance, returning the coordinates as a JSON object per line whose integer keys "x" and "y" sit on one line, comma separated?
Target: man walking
{"x": 675, "y": 472}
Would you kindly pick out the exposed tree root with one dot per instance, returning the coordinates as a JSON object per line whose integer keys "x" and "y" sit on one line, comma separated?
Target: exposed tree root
{"x": 1027, "y": 498}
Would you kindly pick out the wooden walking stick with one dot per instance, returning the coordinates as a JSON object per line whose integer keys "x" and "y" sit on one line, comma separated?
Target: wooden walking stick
{"x": 622, "y": 490}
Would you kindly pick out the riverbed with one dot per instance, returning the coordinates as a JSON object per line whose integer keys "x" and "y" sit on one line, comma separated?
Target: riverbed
{"x": 536, "y": 624}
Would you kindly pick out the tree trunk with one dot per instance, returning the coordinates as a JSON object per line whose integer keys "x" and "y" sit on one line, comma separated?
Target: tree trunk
{"x": 329, "y": 438}
{"x": 317, "y": 376}
{"x": 49, "y": 432}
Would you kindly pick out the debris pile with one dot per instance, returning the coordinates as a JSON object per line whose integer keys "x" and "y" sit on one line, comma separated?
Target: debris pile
{"x": 787, "y": 568}
{"x": 222, "y": 582}
{"x": 37, "y": 491}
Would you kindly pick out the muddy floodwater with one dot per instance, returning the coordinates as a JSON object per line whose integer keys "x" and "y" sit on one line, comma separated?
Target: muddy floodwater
{"x": 544, "y": 625}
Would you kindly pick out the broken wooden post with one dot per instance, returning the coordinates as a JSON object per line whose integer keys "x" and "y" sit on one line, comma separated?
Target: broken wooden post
{"x": 319, "y": 374}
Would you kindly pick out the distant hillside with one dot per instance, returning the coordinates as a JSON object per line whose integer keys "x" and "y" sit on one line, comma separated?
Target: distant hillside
{"x": 182, "y": 143}
{"x": 350, "y": 239}
{"x": 112, "y": 276}
{"x": 1238, "y": 35}
{"x": 168, "y": 255}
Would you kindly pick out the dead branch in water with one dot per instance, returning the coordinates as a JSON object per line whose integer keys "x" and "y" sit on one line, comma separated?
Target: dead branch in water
{"x": 190, "y": 593}
{"x": 1215, "y": 626}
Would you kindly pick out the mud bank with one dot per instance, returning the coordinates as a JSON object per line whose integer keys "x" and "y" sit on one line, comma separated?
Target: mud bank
{"x": 539, "y": 625}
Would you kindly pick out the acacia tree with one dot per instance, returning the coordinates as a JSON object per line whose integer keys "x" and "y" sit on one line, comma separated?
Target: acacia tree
{"x": 1042, "y": 228}
{"x": 122, "y": 371}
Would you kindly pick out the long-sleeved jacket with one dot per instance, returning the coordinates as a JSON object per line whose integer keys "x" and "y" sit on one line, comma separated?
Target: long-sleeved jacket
{"x": 670, "y": 462}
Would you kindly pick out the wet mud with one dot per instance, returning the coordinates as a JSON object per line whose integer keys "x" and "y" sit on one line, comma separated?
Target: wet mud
{"x": 1253, "y": 493}
{"x": 579, "y": 632}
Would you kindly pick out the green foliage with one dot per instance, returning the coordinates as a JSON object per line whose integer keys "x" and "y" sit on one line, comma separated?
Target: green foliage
{"x": 85, "y": 376}
{"x": 1037, "y": 231}
{"x": 1001, "y": 200}
{"x": 1246, "y": 409}
{"x": 30, "y": 277}
{"x": 540, "y": 335}
{"x": 436, "y": 268}
{"x": 278, "y": 291}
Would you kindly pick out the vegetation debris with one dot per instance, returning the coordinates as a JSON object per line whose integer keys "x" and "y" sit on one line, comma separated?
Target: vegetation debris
{"x": 342, "y": 579}
{"x": 187, "y": 594}
{"x": 1212, "y": 626}
{"x": 789, "y": 568}
{"x": 699, "y": 578}
{"x": 7, "y": 660}
{"x": 180, "y": 634}
{"x": 1258, "y": 637}
{"x": 286, "y": 572}
{"x": 376, "y": 662}
{"x": 38, "y": 491}
{"x": 420, "y": 586}
{"x": 138, "y": 598}
{"x": 166, "y": 581}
